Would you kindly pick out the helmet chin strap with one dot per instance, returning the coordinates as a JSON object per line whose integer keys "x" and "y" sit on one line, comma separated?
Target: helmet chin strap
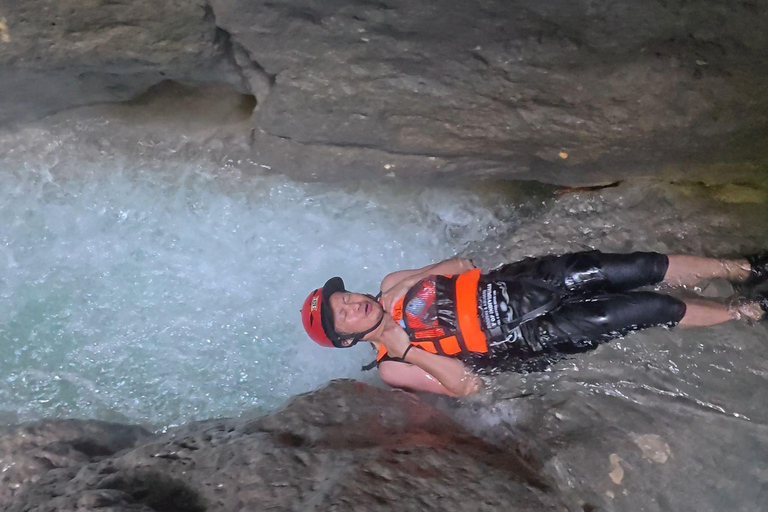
{"x": 358, "y": 336}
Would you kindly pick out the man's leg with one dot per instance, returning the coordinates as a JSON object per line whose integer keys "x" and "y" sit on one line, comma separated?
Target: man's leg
{"x": 589, "y": 272}
{"x": 585, "y": 323}
{"x": 687, "y": 270}
{"x": 580, "y": 324}
{"x": 700, "y": 312}
{"x": 623, "y": 272}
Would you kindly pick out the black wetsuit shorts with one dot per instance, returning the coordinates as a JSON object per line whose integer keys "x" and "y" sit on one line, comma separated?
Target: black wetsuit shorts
{"x": 583, "y": 299}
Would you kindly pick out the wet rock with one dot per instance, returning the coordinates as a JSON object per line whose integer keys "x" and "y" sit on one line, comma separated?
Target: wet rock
{"x": 655, "y": 215}
{"x": 102, "y": 498}
{"x": 717, "y": 288}
{"x": 55, "y": 55}
{"x": 654, "y": 447}
{"x": 565, "y": 92}
{"x": 659, "y": 419}
{"x": 732, "y": 193}
{"x": 31, "y": 450}
{"x": 348, "y": 446}
{"x": 523, "y": 90}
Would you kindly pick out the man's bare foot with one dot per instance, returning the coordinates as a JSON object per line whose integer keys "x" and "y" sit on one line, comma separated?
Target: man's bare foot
{"x": 747, "y": 310}
{"x": 758, "y": 269}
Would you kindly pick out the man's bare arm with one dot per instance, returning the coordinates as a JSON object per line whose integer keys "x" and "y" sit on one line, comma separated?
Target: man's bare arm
{"x": 451, "y": 373}
{"x": 457, "y": 378}
{"x": 410, "y": 378}
{"x": 453, "y": 376}
{"x": 397, "y": 284}
{"x": 446, "y": 267}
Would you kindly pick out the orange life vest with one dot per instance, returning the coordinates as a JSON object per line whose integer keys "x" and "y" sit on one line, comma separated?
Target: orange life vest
{"x": 439, "y": 313}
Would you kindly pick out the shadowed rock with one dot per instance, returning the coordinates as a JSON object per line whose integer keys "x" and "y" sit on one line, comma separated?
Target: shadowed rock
{"x": 31, "y": 450}
{"x": 56, "y": 55}
{"x": 348, "y": 446}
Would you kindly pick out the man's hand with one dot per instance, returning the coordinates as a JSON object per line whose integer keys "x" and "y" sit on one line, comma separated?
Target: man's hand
{"x": 396, "y": 341}
{"x": 455, "y": 379}
{"x": 390, "y": 297}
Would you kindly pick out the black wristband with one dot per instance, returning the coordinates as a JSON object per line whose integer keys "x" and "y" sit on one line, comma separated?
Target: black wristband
{"x": 406, "y": 352}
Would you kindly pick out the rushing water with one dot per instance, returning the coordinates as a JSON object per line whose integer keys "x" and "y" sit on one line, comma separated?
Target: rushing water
{"x": 159, "y": 293}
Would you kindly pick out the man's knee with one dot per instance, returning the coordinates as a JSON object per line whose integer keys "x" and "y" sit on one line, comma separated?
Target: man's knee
{"x": 623, "y": 312}
{"x": 638, "y": 310}
{"x": 595, "y": 271}
{"x": 633, "y": 270}
{"x": 591, "y": 272}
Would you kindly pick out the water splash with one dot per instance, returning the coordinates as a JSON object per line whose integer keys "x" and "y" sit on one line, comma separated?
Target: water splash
{"x": 154, "y": 293}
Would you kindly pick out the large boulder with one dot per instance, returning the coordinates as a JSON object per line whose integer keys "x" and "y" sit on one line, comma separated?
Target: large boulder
{"x": 348, "y": 446}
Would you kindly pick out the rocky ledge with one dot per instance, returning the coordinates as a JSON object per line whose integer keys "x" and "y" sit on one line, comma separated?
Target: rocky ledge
{"x": 562, "y": 91}
{"x": 348, "y": 446}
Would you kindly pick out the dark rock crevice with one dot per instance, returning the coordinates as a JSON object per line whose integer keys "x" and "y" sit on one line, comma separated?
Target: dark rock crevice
{"x": 155, "y": 490}
{"x": 255, "y": 79}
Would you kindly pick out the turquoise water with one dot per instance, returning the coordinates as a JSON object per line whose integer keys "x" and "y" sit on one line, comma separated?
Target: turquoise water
{"x": 160, "y": 293}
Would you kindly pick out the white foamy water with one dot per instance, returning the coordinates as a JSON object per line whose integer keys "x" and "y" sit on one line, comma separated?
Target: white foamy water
{"x": 162, "y": 294}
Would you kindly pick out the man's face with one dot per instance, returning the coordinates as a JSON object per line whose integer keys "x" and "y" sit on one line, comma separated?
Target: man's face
{"x": 353, "y": 312}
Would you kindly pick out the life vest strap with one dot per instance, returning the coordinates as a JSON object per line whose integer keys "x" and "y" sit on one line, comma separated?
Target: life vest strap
{"x": 466, "y": 312}
{"x": 502, "y": 331}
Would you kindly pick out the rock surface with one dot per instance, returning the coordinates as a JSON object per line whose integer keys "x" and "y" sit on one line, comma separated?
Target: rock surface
{"x": 30, "y": 451}
{"x": 58, "y": 55}
{"x": 564, "y": 92}
{"x": 661, "y": 419}
{"x": 348, "y": 446}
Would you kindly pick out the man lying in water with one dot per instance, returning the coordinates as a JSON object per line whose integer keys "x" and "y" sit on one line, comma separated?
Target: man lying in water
{"x": 428, "y": 322}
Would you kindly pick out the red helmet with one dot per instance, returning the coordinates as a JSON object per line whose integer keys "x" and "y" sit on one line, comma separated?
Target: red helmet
{"x": 317, "y": 317}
